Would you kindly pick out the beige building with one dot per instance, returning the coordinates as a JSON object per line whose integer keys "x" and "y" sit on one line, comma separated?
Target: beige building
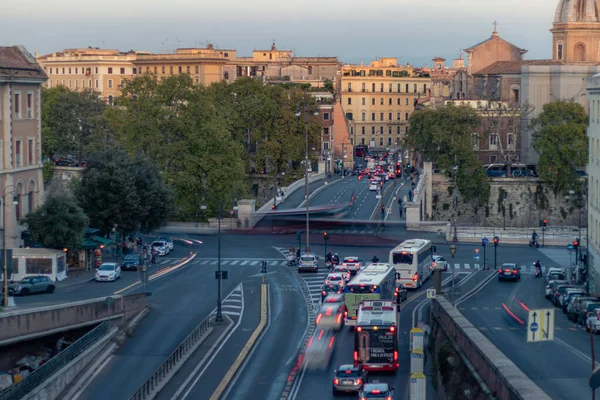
{"x": 593, "y": 170}
{"x": 20, "y": 139}
{"x": 377, "y": 100}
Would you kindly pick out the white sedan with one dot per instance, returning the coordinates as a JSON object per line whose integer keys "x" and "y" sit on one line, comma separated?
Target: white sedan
{"x": 373, "y": 186}
{"x": 108, "y": 272}
{"x": 336, "y": 277}
{"x": 439, "y": 260}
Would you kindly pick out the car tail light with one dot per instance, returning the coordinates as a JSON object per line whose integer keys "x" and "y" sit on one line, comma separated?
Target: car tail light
{"x": 359, "y": 381}
{"x": 336, "y": 381}
{"x": 395, "y": 356}
{"x": 331, "y": 341}
{"x": 388, "y": 398}
{"x": 345, "y": 313}
{"x": 500, "y": 271}
{"x": 376, "y": 391}
{"x": 514, "y": 271}
{"x": 392, "y": 329}
{"x": 355, "y": 356}
{"x": 359, "y": 329}
{"x": 339, "y": 318}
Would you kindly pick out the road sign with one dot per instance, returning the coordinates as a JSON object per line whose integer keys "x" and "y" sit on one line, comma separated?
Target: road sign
{"x": 476, "y": 257}
{"x": 570, "y": 247}
{"x": 476, "y": 251}
{"x": 540, "y": 325}
{"x": 484, "y": 241}
{"x": 431, "y": 293}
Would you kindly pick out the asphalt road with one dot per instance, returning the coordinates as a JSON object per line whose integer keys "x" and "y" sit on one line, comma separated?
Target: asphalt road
{"x": 560, "y": 368}
{"x": 296, "y": 198}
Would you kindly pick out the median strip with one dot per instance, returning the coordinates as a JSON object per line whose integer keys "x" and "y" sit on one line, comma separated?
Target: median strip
{"x": 244, "y": 353}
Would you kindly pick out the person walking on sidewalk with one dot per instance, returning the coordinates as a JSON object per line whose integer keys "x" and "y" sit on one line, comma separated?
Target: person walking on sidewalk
{"x": 153, "y": 259}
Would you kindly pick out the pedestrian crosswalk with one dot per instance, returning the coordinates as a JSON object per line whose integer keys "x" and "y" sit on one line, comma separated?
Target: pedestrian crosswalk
{"x": 233, "y": 304}
{"x": 525, "y": 269}
{"x": 240, "y": 262}
{"x": 314, "y": 281}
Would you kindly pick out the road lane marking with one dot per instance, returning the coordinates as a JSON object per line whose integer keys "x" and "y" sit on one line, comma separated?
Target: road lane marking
{"x": 244, "y": 353}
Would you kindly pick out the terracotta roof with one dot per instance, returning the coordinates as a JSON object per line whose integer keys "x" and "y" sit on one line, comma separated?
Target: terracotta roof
{"x": 494, "y": 36}
{"x": 512, "y": 67}
{"x": 15, "y": 61}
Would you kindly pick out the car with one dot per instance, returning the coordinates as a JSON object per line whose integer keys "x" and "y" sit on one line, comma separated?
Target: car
{"x": 169, "y": 242}
{"x": 108, "y": 272}
{"x": 556, "y": 276}
{"x": 376, "y": 390}
{"x": 509, "y": 271}
{"x": 335, "y": 277}
{"x": 348, "y": 378}
{"x": 345, "y": 271}
{"x": 574, "y": 307}
{"x": 441, "y": 261}
{"x": 586, "y": 307}
{"x": 331, "y": 315}
{"x": 400, "y": 294}
{"x": 30, "y": 285}
{"x": 131, "y": 262}
{"x": 373, "y": 186}
{"x": 593, "y": 321}
{"x": 559, "y": 290}
{"x": 308, "y": 261}
{"x": 319, "y": 350}
{"x": 568, "y": 295}
{"x": 552, "y": 285}
{"x": 160, "y": 247}
{"x": 554, "y": 270}
{"x": 329, "y": 289}
{"x": 353, "y": 263}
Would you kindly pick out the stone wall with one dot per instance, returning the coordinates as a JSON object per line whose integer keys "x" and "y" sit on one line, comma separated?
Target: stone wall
{"x": 527, "y": 202}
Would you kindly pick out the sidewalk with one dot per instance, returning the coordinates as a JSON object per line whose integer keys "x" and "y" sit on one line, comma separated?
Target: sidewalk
{"x": 75, "y": 278}
{"x": 403, "y": 187}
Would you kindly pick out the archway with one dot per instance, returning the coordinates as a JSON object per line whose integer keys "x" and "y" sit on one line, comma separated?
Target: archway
{"x": 579, "y": 52}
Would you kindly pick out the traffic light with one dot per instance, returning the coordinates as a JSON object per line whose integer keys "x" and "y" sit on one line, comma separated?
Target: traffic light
{"x": 272, "y": 207}
{"x": 325, "y": 237}
{"x": 576, "y": 243}
{"x": 545, "y": 223}
{"x": 496, "y": 240}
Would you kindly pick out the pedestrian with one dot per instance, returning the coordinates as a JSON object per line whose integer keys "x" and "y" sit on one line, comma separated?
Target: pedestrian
{"x": 400, "y": 209}
{"x": 153, "y": 260}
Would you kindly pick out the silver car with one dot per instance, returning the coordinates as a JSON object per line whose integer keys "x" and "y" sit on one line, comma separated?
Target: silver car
{"x": 308, "y": 262}
{"x": 348, "y": 378}
{"x": 160, "y": 247}
{"x": 31, "y": 284}
{"x": 319, "y": 350}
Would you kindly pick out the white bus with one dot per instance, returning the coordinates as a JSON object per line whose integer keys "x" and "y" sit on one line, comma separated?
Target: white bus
{"x": 413, "y": 262}
{"x": 375, "y": 282}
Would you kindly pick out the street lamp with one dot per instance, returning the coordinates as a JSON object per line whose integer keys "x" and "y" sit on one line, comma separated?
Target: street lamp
{"x": 306, "y": 111}
{"x": 452, "y": 253}
{"x": 5, "y": 271}
{"x": 219, "y": 316}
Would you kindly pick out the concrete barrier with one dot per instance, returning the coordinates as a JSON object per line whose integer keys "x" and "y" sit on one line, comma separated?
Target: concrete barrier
{"x": 503, "y": 378}
{"x": 22, "y": 325}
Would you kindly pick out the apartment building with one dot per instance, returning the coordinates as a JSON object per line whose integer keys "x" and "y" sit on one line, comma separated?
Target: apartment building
{"x": 378, "y": 99}
{"x": 20, "y": 139}
{"x": 593, "y": 192}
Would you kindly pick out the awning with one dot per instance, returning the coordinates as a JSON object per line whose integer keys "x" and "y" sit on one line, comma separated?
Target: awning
{"x": 94, "y": 242}
{"x": 102, "y": 240}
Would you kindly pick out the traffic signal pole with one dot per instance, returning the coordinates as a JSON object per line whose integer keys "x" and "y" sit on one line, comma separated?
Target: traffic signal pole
{"x": 496, "y": 240}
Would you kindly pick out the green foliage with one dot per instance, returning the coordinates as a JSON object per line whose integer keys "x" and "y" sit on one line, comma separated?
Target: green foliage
{"x": 443, "y": 135}
{"x": 47, "y": 172}
{"x": 559, "y": 135}
{"x": 72, "y": 122}
{"x": 58, "y": 223}
{"x": 117, "y": 190}
{"x": 328, "y": 85}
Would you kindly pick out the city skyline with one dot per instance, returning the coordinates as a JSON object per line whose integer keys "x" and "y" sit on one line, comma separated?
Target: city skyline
{"x": 162, "y": 28}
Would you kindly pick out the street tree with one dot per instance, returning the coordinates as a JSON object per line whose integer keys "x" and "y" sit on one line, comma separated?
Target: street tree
{"x": 59, "y": 223}
{"x": 123, "y": 192}
{"x": 559, "y": 136}
{"x": 443, "y": 135}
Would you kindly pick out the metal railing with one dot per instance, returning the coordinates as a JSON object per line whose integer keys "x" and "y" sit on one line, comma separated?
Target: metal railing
{"x": 40, "y": 375}
{"x": 147, "y": 390}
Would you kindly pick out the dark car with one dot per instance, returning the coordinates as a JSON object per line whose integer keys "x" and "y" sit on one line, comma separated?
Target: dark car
{"x": 509, "y": 271}
{"x": 376, "y": 390}
{"x": 330, "y": 288}
{"x": 559, "y": 290}
{"x": 131, "y": 262}
{"x": 30, "y": 285}
{"x": 348, "y": 378}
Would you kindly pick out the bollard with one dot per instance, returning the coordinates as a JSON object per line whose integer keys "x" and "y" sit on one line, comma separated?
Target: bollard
{"x": 416, "y": 339}
{"x": 417, "y": 361}
{"x": 418, "y": 386}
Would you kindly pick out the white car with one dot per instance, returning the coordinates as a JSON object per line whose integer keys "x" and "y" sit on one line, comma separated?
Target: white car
{"x": 554, "y": 270}
{"x": 336, "y": 277}
{"x": 439, "y": 260}
{"x": 108, "y": 272}
{"x": 344, "y": 270}
{"x": 160, "y": 247}
{"x": 169, "y": 242}
{"x": 593, "y": 321}
{"x": 373, "y": 186}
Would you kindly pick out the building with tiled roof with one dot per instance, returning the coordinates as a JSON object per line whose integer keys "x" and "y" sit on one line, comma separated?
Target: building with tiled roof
{"x": 21, "y": 180}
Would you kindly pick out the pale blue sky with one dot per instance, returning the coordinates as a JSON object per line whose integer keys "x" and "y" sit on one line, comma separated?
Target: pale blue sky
{"x": 413, "y": 31}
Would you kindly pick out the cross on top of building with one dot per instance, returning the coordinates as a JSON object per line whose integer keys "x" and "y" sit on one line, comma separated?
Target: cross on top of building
{"x": 495, "y": 25}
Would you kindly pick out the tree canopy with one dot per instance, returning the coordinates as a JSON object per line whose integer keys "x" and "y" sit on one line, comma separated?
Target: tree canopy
{"x": 559, "y": 136}
{"x": 125, "y": 192}
{"x": 444, "y": 134}
{"x": 58, "y": 223}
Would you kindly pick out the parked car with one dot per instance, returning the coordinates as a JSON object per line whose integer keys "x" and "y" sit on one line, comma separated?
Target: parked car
{"x": 30, "y": 285}
{"x": 559, "y": 290}
{"x": 593, "y": 321}
{"x": 555, "y": 276}
{"x": 552, "y": 285}
{"x": 568, "y": 295}
{"x": 585, "y": 308}
{"x": 554, "y": 270}
{"x": 131, "y": 262}
{"x": 108, "y": 272}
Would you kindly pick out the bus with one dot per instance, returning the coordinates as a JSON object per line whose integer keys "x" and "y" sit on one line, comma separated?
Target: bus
{"x": 375, "y": 282}
{"x": 376, "y": 336}
{"x": 412, "y": 261}
{"x": 360, "y": 150}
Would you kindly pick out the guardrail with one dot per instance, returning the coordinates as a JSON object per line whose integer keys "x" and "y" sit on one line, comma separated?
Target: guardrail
{"x": 37, "y": 377}
{"x": 147, "y": 390}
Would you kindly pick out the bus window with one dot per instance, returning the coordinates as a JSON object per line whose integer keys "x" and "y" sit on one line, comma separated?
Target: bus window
{"x": 403, "y": 258}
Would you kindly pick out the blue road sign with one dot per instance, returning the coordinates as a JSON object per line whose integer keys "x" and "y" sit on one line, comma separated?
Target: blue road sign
{"x": 476, "y": 257}
{"x": 484, "y": 241}
{"x": 534, "y": 327}
{"x": 570, "y": 247}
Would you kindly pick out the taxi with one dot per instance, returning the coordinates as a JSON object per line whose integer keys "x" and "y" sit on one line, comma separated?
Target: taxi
{"x": 353, "y": 264}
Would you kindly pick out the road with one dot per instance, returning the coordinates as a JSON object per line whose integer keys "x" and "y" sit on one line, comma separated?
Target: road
{"x": 561, "y": 368}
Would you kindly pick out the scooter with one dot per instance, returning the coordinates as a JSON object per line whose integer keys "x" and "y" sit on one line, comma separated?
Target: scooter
{"x": 538, "y": 271}
{"x": 534, "y": 243}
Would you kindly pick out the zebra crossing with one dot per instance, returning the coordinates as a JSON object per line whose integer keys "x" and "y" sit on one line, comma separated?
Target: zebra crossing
{"x": 525, "y": 269}
{"x": 240, "y": 262}
{"x": 233, "y": 304}
{"x": 314, "y": 281}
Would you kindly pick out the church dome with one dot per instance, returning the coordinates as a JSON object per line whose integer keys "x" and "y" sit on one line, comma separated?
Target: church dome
{"x": 577, "y": 11}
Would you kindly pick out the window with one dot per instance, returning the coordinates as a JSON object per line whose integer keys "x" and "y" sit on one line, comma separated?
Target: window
{"x": 560, "y": 51}
{"x": 406, "y": 116}
{"x": 325, "y": 132}
{"x": 493, "y": 141}
{"x": 96, "y": 69}
{"x": 310, "y": 70}
{"x": 389, "y": 141}
{"x": 373, "y": 88}
{"x": 120, "y": 83}
{"x": 70, "y": 83}
{"x": 372, "y": 130}
{"x": 349, "y": 86}
{"x": 381, "y": 130}
{"x": 406, "y": 102}
{"x": 398, "y": 102}
{"x": 363, "y": 87}
{"x": 30, "y": 152}
{"x": 398, "y": 130}
{"x": 96, "y": 83}
{"x": 226, "y": 75}
{"x": 407, "y": 88}
{"x": 362, "y": 141}
{"x": 38, "y": 266}
{"x": 348, "y": 116}
{"x": 493, "y": 159}
{"x": 381, "y": 141}
{"x": 171, "y": 70}
{"x": 75, "y": 71}
{"x": 63, "y": 71}
{"x": 510, "y": 141}
{"x": 381, "y": 87}
{"x": 188, "y": 69}
{"x": 110, "y": 83}
{"x": 390, "y": 116}
{"x": 399, "y": 87}
{"x": 364, "y": 116}
{"x": 415, "y": 88}
{"x": 389, "y": 130}
{"x": 363, "y": 101}
{"x": 163, "y": 70}
{"x": 147, "y": 70}
{"x": 390, "y": 87}
{"x": 110, "y": 70}
{"x": 398, "y": 116}
{"x": 30, "y": 105}
{"x": 17, "y": 105}
{"x": 110, "y": 100}
{"x": 69, "y": 71}
{"x": 381, "y": 116}
{"x": 122, "y": 71}
{"x": 372, "y": 116}
{"x": 180, "y": 69}
{"x": 390, "y": 101}
{"x": 50, "y": 70}
{"x": 373, "y": 101}
{"x": 424, "y": 88}
{"x": 18, "y": 153}
{"x": 349, "y": 100}
{"x": 515, "y": 95}
{"x": 381, "y": 101}
{"x": 326, "y": 116}
{"x": 134, "y": 70}
{"x": 363, "y": 130}
{"x": 90, "y": 83}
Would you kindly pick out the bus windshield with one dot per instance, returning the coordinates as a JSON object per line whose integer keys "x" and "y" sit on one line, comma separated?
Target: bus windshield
{"x": 362, "y": 289}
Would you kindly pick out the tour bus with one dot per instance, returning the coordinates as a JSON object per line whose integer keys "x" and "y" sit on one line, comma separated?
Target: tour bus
{"x": 376, "y": 336}
{"x": 412, "y": 261}
{"x": 375, "y": 282}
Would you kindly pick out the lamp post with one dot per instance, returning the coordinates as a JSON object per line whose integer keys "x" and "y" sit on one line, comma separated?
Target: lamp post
{"x": 5, "y": 270}
{"x": 305, "y": 110}
{"x": 452, "y": 253}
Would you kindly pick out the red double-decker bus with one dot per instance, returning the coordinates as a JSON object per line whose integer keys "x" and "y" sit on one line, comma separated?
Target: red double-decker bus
{"x": 376, "y": 336}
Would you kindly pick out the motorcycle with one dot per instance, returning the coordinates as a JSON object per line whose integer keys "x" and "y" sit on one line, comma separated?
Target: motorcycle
{"x": 538, "y": 271}
{"x": 328, "y": 264}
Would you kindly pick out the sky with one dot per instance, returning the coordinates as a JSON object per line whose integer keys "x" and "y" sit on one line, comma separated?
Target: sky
{"x": 353, "y": 30}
